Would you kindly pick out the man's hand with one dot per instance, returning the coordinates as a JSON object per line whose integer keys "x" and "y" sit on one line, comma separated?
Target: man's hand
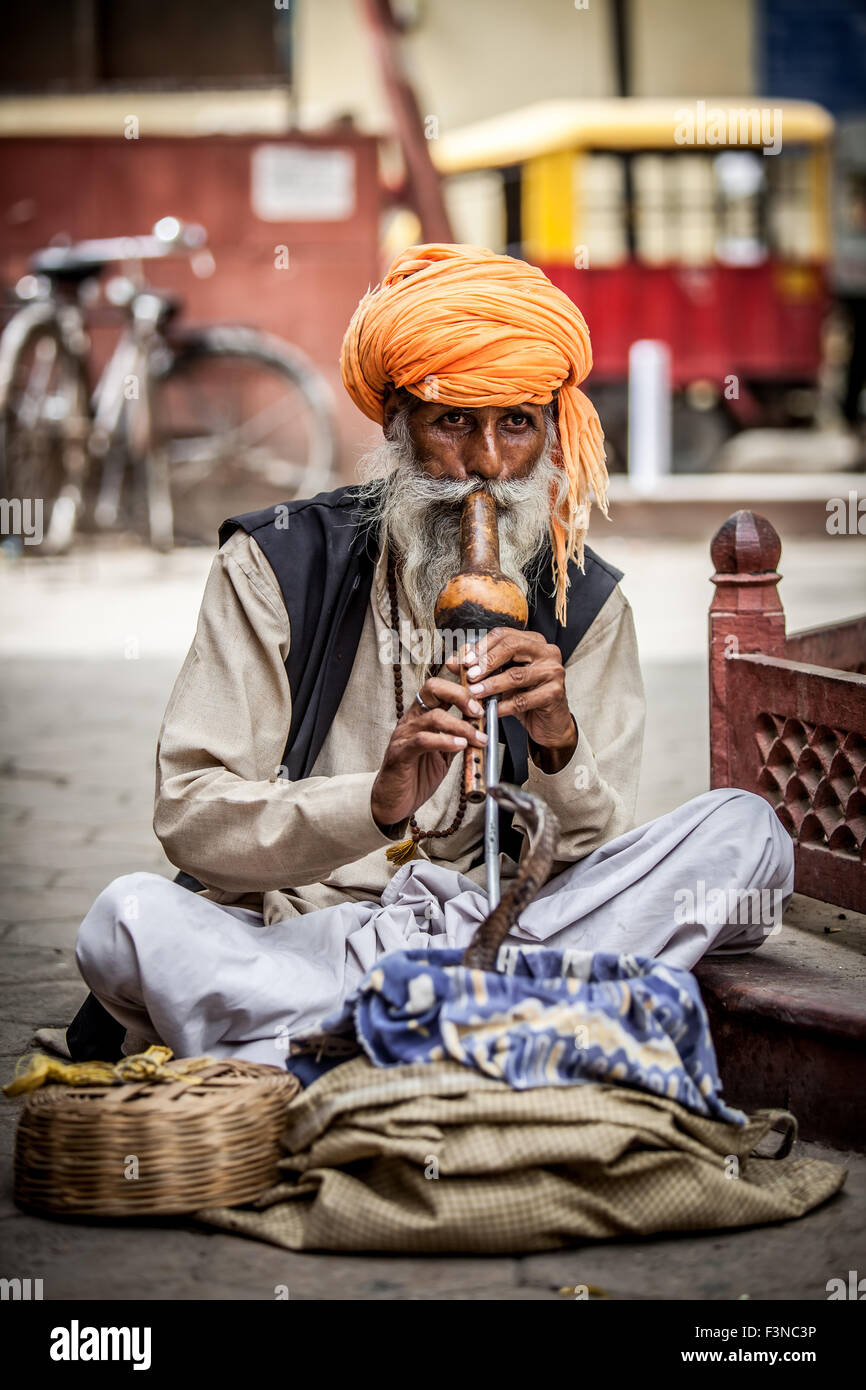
{"x": 421, "y": 749}
{"x": 533, "y": 689}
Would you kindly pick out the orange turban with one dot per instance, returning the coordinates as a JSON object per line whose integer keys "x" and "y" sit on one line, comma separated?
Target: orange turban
{"x": 465, "y": 326}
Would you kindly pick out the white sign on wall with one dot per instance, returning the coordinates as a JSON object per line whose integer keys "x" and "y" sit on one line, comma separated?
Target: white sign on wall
{"x": 294, "y": 183}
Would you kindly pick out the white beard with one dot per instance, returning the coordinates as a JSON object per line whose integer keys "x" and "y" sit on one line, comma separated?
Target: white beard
{"x": 418, "y": 516}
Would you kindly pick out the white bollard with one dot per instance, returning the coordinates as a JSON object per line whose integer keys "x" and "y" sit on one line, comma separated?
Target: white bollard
{"x": 649, "y": 413}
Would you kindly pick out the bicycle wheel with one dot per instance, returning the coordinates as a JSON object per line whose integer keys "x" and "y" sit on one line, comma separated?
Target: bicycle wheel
{"x": 44, "y": 429}
{"x": 240, "y": 420}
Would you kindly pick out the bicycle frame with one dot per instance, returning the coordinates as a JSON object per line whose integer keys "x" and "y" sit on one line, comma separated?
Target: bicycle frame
{"x": 119, "y": 410}
{"x": 122, "y": 410}
{"x": 50, "y": 414}
{"x": 43, "y": 318}
{"x": 56, "y": 321}
{"x": 118, "y": 430}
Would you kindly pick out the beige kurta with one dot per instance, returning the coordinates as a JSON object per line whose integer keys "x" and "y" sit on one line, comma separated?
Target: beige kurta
{"x": 226, "y": 812}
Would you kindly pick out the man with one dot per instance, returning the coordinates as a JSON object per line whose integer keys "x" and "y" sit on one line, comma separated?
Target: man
{"x": 308, "y": 767}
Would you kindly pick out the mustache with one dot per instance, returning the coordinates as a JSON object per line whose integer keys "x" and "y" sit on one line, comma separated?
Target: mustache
{"x": 437, "y": 491}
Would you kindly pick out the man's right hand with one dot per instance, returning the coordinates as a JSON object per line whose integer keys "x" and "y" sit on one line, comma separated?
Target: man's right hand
{"x": 421, "y": 749}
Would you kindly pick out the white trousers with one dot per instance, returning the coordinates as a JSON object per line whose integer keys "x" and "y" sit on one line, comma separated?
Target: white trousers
{"x": 714, "y": 875}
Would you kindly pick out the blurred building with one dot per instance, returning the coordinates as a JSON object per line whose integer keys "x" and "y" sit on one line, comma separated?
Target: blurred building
{"x": 474, "y": 60}
{"x": 271, "y": 125}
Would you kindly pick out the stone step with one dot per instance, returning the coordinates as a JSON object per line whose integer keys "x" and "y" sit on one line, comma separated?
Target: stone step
{"x": 687, "y": 504}
{"x": 789, "y": 1022}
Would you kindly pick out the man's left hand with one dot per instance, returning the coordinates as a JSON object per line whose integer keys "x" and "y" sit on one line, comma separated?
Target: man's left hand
{"x": 533, "y": 689}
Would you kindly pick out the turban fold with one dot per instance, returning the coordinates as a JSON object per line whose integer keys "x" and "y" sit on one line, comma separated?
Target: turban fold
{"x": 465, "y": 326}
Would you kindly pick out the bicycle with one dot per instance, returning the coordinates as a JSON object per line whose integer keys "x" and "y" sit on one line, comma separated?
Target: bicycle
{"x": 173, "y": 408}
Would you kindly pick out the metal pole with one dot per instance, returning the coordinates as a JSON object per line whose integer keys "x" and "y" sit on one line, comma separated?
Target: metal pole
{"x": 491, "y": 810}
{"x": 649, "y": 413}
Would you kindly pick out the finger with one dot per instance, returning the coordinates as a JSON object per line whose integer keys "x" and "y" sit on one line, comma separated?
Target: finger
{"x": 436, "y": 692}
{"x": 524, "y": 701}
{"x": 405, "y": 748}
{"x": 441, "y": 722}
{"x": 518, "y": 677}
{"x": 432, "y": 741}
{"x": 471, "y": 652}
{"x": 439, "y": 693}
{"x": 475, "y": 653}
{"x": 465, "y": 653}
{"x": 445, "y": 722}
{"x": 408, "y": 751}
{"x": 506, "y": 644}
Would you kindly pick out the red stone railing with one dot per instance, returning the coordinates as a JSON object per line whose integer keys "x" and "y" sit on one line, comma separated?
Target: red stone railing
{"x": 788, "y": 713}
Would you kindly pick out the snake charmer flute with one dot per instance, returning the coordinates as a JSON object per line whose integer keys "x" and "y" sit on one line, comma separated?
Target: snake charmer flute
{"x": 478, "y": 598}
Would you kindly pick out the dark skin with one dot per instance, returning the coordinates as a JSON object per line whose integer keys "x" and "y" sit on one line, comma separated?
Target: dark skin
{"x": 522, "y": 668}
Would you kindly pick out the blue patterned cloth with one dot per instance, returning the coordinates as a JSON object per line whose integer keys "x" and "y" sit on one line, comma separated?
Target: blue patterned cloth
{"x": 546, "y": 1018}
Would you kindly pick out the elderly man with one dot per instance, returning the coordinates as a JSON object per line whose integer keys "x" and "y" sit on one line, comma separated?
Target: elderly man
{"x": 309, "y": 762}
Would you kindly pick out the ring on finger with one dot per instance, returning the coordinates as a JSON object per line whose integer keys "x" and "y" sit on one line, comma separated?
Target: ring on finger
{"x": 426, "y": 708}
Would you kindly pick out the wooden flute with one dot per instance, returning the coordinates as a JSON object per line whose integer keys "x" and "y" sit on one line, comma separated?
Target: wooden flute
{"x": 478, "y": 598}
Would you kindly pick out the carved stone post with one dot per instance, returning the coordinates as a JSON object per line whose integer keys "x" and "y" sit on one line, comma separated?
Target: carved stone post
{"x": 746, "y": 615}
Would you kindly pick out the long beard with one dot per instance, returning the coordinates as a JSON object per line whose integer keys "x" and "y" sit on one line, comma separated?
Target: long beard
{"x": 418, "y": 517}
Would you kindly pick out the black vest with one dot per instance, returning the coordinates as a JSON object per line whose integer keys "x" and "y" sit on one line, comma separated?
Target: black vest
{"x": 323, "y": 557}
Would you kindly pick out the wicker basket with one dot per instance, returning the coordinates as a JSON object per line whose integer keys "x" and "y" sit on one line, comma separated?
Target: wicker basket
{"x": 153, "y": 1147}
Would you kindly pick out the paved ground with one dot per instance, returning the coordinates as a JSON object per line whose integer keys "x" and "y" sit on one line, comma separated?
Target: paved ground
{"x": 90, "y": 647}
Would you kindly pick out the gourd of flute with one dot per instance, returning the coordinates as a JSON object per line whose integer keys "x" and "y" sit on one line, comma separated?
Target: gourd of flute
{"x": 477, "y": 599}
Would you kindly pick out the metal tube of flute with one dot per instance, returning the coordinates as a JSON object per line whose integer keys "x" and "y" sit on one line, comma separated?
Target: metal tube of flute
{"x": 491, "y": 810}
